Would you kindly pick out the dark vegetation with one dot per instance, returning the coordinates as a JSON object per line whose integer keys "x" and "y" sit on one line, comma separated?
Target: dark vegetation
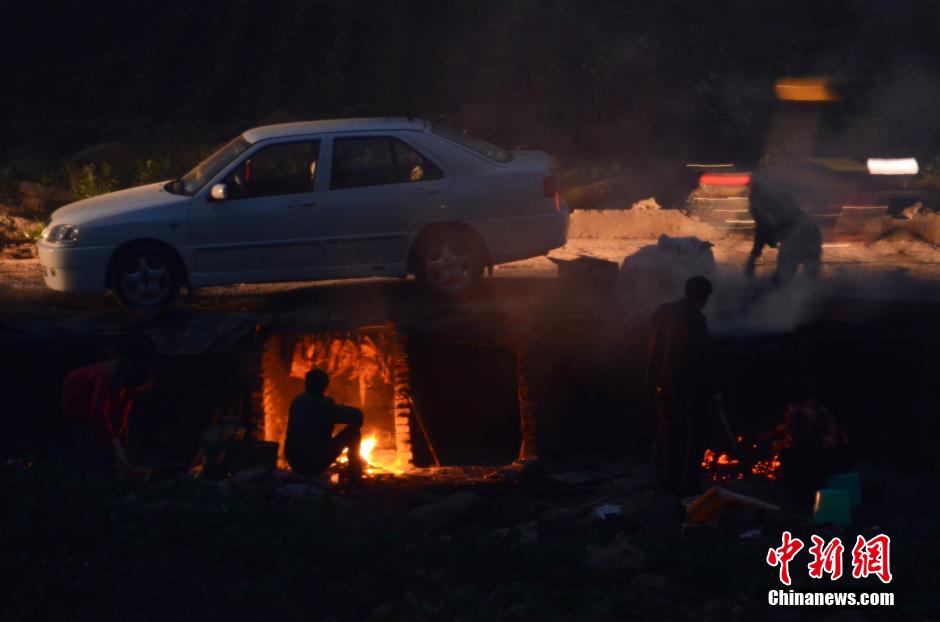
{"x": 637, "y": 82}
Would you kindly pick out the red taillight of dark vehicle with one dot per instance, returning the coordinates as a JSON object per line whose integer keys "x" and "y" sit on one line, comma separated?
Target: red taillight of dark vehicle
{"x": 551, "y": 192}
{"x": 724, "y": 179}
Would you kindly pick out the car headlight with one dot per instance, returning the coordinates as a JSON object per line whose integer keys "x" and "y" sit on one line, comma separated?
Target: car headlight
{"x": 60, "y": 234}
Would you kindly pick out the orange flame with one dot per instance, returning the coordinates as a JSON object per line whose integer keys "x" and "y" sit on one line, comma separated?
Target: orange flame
{"x": 373, "y": 460}
{"x": 723, "y": 459}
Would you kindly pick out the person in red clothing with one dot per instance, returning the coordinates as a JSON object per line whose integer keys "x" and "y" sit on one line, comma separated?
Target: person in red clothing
{"x": 811, "y": 444}
{"x": 98, "y": 400}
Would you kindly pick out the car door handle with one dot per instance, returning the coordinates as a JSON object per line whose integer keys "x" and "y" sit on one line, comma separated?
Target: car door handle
{"x": 294, "y": 204}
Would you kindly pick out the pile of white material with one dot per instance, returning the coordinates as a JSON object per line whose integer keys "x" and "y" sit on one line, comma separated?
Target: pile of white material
{"x": 657, "y": 273}
{"x": 919, "y": 221}
{"x": 645, "y": 220}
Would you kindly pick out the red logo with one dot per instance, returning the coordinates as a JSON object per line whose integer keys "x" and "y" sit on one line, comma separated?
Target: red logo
{"x": 869, "y": 557}
{"x": 782, "y": 556}
{"x": 826, "y": 559}
{"x": 872, "y": 557}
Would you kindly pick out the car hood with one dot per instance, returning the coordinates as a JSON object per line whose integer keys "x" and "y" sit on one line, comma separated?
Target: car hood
{"x": 117, "y": 203}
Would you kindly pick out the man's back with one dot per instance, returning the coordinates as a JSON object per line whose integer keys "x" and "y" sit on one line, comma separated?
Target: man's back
{"x": 309, "y": 424}
{"x": 677, "y": 357}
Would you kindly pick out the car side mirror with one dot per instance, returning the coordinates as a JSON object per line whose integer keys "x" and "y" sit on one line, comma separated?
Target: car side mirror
{"x": 219, "y": 192}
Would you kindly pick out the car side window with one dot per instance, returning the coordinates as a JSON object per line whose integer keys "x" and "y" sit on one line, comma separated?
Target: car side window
{"x": 412, "y": 166}
{"x": 288, "y": 168}
{"x": 377, "y": 161}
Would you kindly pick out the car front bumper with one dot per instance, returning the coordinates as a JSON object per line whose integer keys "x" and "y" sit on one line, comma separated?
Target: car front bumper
{"x": 73, "y": 268}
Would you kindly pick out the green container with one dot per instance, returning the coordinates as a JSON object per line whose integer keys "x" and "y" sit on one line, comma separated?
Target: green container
{"x": 849, "y": 482}
{"x": 832, "y": 506}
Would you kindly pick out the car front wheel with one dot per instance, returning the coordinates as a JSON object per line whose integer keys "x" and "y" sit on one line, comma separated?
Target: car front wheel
{"x": 449, "y": 264}
{"x": 145, "y": 276}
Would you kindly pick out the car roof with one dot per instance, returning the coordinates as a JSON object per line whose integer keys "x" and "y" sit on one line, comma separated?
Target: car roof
{"x": 300, "y": 128}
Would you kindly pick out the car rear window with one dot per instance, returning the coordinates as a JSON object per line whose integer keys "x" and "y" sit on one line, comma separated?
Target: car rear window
{"x": 488, "y": 150}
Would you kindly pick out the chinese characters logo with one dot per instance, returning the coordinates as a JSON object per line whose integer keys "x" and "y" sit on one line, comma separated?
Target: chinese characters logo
{"x": 869, "y": 557}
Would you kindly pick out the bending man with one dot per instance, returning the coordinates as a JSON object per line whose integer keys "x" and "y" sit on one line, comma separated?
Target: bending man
{"x": 778, "y": 221}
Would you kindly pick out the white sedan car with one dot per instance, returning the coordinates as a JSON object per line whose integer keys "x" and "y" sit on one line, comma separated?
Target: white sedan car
{"x": 309, "y": 201}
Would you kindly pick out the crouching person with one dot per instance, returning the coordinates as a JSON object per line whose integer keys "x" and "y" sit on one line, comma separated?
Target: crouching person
{"x": 310, "y": 446}
{"x": 98, "y": 400}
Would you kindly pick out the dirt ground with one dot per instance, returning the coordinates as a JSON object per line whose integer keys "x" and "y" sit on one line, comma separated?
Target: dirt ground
{"x": 902, "y": 264}
{"x": 535, "y": 533}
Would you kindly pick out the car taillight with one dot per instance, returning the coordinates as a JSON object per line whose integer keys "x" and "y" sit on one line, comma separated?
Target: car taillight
{"x": 551, "y": 192}
{"x": 725, "y": 179}
{"x": 548, "y": 185}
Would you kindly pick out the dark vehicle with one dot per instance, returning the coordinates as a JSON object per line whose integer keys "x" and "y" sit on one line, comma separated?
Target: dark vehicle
{"x": 844, "y": 185}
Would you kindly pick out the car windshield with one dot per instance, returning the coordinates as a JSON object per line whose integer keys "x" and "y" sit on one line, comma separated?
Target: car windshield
{"x": 482, "y": 147}
{"x": 191, "y": 182}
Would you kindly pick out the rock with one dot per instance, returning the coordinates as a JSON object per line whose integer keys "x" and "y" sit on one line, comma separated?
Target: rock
{"x": 617, "y": 555}
{"x": 300, "y": 490}
{"x": 578, "y": 478}
{"x": 652, "y": 583}
{"x": 253, "y": 475}
{"x": 643, "y": 478}
{"x": 608, "y": 510}
{"x": 527, "y": 533}
{"x": 556, "y": 522}
{"x": 655, "y": 511}
{"x": 458, "y": 507}
{"x": 517, "y": 507}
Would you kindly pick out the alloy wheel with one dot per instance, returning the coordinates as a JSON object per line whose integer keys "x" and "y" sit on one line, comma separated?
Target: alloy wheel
{"x": 449, "y": 266}
{"x": 145, "y": 279}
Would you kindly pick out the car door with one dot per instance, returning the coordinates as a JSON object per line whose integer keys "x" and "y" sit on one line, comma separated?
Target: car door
{"x": 382, "y": 190}
{"x": 269, "y": 226}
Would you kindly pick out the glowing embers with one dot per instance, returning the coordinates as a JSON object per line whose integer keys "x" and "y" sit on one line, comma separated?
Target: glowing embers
{"x": 721, "y": 467}
{"x": 368, "y": 369}
{"x": 767, "y": 468}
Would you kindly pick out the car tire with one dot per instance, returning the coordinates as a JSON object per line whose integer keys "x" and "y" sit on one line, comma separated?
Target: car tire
{"x": 450, "y": 264}
{"x": 145, "y": 276}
